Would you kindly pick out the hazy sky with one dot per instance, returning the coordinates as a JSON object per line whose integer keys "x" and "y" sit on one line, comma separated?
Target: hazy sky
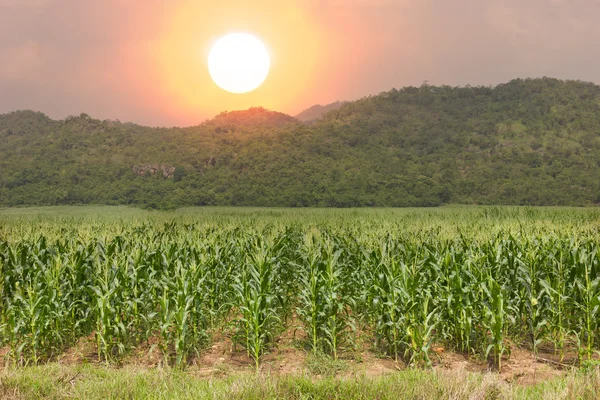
{"x": 145, "y": 60}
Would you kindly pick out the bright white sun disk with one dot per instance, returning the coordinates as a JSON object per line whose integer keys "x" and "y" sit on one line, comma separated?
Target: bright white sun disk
{"x": 239, "y": 63}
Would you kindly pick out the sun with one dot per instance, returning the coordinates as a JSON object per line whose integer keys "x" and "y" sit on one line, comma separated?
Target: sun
{"x": 239, "y": 63}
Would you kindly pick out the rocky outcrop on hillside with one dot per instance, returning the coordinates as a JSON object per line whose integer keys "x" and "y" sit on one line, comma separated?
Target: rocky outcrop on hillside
{"x": 166, "y": 170}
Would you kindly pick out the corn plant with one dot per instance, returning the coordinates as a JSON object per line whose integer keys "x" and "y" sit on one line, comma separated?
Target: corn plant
{"x": 389, "y": 299}
{"x": 459, "y": 301}
{"x": 323, "y": 304}
{"x": 555, "y": 288}
{"x": 182, "y": 314}
{"x": 587, "y": 292}
{"x": 256, "y": 298}
{"x": 494, "y": 321}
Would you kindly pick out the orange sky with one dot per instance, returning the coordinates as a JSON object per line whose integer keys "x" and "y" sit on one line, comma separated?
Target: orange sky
{"x": 296, "y": 44}
{"x": 145, "y": 60}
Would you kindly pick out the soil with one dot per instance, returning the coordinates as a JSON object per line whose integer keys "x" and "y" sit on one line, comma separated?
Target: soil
{"x": 4, "y": 351}
{"x": 84, "y": 351}
{"x": 288, "y": 357}
{"x": 221, "y": 358}
{"x": 522, "y": 367}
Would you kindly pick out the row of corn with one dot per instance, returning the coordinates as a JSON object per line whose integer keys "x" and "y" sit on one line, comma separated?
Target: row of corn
{"x": 175, "y": 285}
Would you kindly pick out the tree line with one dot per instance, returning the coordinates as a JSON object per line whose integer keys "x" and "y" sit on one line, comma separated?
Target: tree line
{"x": 526, "y": 142}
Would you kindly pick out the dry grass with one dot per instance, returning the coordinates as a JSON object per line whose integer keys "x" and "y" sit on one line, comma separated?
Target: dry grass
{"x": 55, "y": 381}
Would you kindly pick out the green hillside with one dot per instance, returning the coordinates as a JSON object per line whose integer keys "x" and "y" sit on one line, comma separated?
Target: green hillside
{"x": 534, "y": 141}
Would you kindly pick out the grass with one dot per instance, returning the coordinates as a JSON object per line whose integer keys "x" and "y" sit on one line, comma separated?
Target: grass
{"x": 323, "y": 365}
{"x": 448, "y": 221}
{"x": 55, "y": 381}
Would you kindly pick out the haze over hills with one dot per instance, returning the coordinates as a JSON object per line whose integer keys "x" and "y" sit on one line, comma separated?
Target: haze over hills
{"x": 534, "y": 141}
{"x": 317, "y": 111}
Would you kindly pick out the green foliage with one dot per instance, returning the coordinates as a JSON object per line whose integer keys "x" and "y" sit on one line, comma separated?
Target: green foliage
{"x": 526, "y": 142}
{"x": 476, "y": 280}
{"x": 324, "y": 300}
{"x": 257, "y": 291}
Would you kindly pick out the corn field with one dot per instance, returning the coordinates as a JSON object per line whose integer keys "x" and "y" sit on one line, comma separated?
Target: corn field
{"x": 478, "y": 281}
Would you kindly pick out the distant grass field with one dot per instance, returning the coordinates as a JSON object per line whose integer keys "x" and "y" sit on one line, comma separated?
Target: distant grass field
{"x": 103, "y": 286}
{"x": 451, "y": 220}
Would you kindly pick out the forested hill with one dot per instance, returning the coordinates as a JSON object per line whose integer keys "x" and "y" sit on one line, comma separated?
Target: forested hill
{"x": 531, "y": 142}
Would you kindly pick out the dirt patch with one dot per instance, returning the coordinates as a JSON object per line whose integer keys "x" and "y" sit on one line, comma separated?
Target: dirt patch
{"x": 4, "y": 352}
{"x": 83, "y": 351}
{"x": 287, "y": 356}
{"x": 372, "y": 366}
{"x": 221, "y": 358}
{"x": 457, "y": 362}
{"x": 521, "y": 367}
{"x": 524, "y": 368}
{"x": 148, "y": 354}
{"x": 284, "y": 361}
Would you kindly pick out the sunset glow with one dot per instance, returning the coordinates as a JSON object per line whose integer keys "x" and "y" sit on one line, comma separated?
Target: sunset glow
{"x": 295, "y": 43}
{"x": 151, "y": 66}
{"x": 239, "y": 63}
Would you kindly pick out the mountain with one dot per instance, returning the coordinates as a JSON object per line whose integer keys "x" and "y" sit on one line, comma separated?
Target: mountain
{"x": 533, "y": 141}
{"x": 251, "y": 119}
{"x": 316, "y": 112}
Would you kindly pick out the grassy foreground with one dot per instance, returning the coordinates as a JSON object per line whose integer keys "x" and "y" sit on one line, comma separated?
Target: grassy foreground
{"x": 55, "y": 381}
